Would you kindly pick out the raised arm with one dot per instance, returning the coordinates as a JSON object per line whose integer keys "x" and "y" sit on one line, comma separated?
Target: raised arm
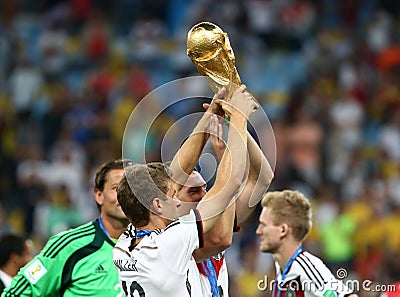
{"x": 260, "y": 172}
{"x": 216, "y": 138}
{"x": 229, "y": 177}
{"x": 259, "y": 179}
{"x": 219, "y": 238}
{"x": 186, "y": 158}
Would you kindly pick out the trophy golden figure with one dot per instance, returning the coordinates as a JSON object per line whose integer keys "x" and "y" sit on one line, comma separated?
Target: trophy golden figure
{"x": 210, "y": 51}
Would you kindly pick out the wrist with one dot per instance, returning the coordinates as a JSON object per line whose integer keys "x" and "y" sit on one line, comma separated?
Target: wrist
{"x": 238, "y": 118}
{"x": 202, "y": 125}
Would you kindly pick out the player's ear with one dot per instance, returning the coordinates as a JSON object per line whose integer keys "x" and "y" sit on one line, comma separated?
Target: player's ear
{"x": 284, "y": 229}
{"x": 14, "y": 258}
{"x": 98, "y": 196}
{"x": 156, "y": 205}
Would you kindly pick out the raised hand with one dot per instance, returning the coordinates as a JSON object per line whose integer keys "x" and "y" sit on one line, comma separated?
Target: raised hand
{"x": 241, "y": 101}
{"x": 216, "y": 137}
{"x": 214, "y": 107}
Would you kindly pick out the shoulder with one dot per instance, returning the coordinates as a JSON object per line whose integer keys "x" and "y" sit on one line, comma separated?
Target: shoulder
{"x": 186, "y": 225}
{"x": 316, "y": 275}
{"x": 69, "y": 240}
{"x": 183, "y": 222}
{"x": 306, "y": 257}
{"x": 306, "y": 261}
{"x": 312, "y": 268}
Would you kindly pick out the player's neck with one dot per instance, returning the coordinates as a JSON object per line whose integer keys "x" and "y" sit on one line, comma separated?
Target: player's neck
{"x": 286, "y": 251}
{"x": 113, "y": 226}
{"x": 156, "y": 222}
{"x": 10, "y": 269}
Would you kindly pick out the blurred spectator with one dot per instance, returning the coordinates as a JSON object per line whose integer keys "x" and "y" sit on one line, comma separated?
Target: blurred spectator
{"x": 347, "y": 116}
{"x": 25, "y": 83}
{"x": 389, "y": 136}
{"x": 146, "y": 37}
{"x": 51, "y": 46}
{"x": 81, "y": 10}
{"x": 378, "y": 35}
{"x": 249, "y": 276}
{"x": 5, "y": 56}
{"x": 53, "y": 118}
{"x": 80, "y": 116}
{"x": 354, "y": 181}
{"x": 32, "y": 176}
{"x": 15, "y": 252}
{"x": 327, "y": 208}
{"x": 97, "y": 39}
{"x": 57, "y": 214}
{"x": 337, "y": 241}
{"x": 297, "y": 17}
{"x": 100, "y": 80}
{"x": 304, "y": 140}
{"x": 66, "y": 168}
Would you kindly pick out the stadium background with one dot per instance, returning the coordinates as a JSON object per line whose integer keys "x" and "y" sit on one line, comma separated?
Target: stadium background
{"x": 326, "y": 72}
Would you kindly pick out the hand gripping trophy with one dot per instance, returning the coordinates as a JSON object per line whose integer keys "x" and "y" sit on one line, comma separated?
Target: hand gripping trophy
{"x": 210, "y": 51}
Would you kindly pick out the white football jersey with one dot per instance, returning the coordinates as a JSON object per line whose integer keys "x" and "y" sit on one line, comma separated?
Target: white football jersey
{"x": 159, "y": 265}
{"x": 309, "y": 277}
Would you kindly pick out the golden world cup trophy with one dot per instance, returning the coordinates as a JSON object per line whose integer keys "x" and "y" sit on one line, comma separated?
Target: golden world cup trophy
{"x": 210, "y": 51}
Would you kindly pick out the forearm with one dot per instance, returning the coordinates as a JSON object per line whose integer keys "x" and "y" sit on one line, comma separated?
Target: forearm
{"x": 187, "y": 156}
{"x": 259, "y": 165}
{"x": 259, "y": 179}
{"x": 234, "y": 158}
{"x": 219, "y": 238}
{"x": 228, "y": 177}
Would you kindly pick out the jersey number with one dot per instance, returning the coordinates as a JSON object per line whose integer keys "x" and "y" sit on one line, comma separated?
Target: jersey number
{"x": 135, "y": 287}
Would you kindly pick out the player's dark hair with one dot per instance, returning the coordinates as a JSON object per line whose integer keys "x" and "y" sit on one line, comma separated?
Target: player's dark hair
{"x": 10, "y": 244}
{"x": 138, "y": 188}
{"x": 102, "y": 173}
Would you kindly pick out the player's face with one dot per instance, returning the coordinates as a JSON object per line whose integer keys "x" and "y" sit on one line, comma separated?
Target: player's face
{"x": 108, "y": 197}
{"x": 190, "y": 194}
{"x": 171, "y": 205}
{"x": 269, "y": 233}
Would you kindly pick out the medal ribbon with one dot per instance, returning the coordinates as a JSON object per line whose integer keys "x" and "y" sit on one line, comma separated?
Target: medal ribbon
{"x": 212, "y": 276}
{"x": 285, "y": 271}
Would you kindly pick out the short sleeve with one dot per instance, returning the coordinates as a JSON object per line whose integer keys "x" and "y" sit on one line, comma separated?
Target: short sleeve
{"x": 324, "y": 282}
{"x": 179, "y": 239}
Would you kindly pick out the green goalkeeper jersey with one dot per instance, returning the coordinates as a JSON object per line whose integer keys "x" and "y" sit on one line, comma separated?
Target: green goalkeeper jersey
{"x": 74, "y": 263}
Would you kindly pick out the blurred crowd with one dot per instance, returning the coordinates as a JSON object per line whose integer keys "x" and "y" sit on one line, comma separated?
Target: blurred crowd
{"x": 326, "y": 72}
